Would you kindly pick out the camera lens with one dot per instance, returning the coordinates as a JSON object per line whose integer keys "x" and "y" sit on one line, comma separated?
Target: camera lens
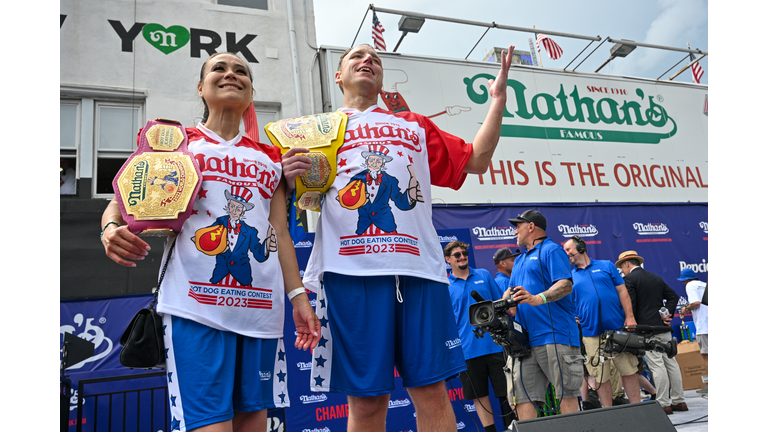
{"x": 484, "y": 315}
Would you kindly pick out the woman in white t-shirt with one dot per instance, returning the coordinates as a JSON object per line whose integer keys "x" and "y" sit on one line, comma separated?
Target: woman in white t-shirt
{"x": 223, "y": 311}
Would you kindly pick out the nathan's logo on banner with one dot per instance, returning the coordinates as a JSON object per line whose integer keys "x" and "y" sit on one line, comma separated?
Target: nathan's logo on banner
{"x": 704, "y": 226}
{"x": 579, "y": 230}
{"x": 447, "y": 239}
{"x": 650, "y": 120}
{"x": 399, "y": 403}
{"x": 470, "y": 407}
{"x": 315, "y": 398}
{"x": 494, "y": 233}
{"x": 303, "y": 244}
{"x": 174, "y": 37}
{"x": 304, "y": 366}
{"x": 325, "y": 429}
{"x": 460, "y": 425}
{"x": 701, "y": 267}
{"x": 102, "y": 345}
{"x": 654, "y": 228}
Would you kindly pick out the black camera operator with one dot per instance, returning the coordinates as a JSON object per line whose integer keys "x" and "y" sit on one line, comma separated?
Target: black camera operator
{"x": 541, "y": 282}
{"x": 648, "y": 293}
{"x": 602, "y": 303}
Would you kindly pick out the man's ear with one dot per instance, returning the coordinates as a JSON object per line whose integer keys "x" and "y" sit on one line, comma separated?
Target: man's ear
{"x": 337, "y": 77}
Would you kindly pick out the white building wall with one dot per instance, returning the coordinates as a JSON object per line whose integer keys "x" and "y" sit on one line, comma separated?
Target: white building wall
{"x": 95, "y": 64}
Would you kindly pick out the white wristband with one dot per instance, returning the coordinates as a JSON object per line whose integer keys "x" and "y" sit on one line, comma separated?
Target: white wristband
{"x": 296, "y": 292}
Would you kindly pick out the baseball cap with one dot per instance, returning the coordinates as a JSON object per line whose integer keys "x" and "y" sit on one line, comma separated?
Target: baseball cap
{"x": 687, "y": 274}
{"x": 503, "y": 254}
{"x": 531, "y": 216}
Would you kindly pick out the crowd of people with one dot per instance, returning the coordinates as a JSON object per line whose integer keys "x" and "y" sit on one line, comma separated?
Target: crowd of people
{"x": 244, "y": 346}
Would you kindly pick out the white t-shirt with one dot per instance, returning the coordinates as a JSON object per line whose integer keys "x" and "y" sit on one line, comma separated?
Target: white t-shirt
{"x": 390, "y": 234}
{"x": 695, "y": 292}
{"x": 240, "y": 290}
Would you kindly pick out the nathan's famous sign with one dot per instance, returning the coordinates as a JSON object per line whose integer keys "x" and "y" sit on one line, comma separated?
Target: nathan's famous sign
{"x": 581, "y": 111}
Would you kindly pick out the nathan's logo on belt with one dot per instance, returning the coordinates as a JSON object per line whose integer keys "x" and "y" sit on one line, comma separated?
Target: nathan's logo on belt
{"x": 138, "y": 184}
{"x": 265, "y": 375}
{"x": 323, "y": 134}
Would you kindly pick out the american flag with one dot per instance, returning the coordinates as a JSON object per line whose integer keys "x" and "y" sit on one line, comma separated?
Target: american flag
{"x": 553, "y": 49}
{"x": 696, "y": 70}
{"x": 378, "y": 36}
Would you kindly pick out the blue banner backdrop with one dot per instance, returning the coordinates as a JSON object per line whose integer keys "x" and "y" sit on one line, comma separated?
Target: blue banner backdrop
{"x": 668, "y": 237}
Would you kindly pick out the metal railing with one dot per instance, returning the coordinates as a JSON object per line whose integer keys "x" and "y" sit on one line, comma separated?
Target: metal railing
{"x": 122, "y": 399}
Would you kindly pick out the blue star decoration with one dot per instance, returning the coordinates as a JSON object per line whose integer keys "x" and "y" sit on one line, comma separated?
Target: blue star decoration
{"x": 282, "y": 397}
{"x": 175, "y": 424}
{"x": 320, "y": 361}
{"x": 170, "y": 377}
{"x": 173, "y": 400}
{"x": 322, "y": 342}
{"x": 164, "y": 330}
{"x": 319, "y": 381}
{"x": 322, "y": 303}
{"x": 281, "y": 355}
{"x": 166, "y": 352}
{"x": 281, "y": 376}
{"x": 324, "y": 322}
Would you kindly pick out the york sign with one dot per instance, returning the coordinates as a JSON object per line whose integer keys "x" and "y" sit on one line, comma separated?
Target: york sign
{"x": 172, "y": 38}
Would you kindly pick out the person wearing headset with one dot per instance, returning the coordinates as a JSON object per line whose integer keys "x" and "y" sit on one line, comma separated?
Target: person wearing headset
{"x": 602, "y": 303}
{"x": 541, "y": 285}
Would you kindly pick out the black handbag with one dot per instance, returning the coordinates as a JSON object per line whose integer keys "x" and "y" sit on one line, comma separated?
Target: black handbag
{"x": 142, "y": 340}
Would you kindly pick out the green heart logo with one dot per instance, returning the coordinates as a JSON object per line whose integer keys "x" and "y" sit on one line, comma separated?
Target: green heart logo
{"x": 166, "y": 40}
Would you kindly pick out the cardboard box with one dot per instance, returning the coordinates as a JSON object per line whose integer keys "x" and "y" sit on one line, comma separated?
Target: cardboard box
{"x": 692, "y": 365}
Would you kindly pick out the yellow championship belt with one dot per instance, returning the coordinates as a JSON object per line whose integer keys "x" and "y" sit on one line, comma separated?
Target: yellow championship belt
{"x": 323, "y": 135}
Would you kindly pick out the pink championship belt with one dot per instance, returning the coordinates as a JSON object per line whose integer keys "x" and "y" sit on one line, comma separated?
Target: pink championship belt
{"x": 157, "y": 186}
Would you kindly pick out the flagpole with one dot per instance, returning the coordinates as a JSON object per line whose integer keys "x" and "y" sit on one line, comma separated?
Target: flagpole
{"x": 538, "y": 49}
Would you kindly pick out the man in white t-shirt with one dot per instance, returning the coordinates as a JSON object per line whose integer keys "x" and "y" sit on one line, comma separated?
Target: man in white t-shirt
{"x": 694, "y": 288}
{"x": 378, "y": 267}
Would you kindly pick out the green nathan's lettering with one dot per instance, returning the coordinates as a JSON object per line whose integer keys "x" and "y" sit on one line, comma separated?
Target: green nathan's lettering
{"x": 572, "y": 107}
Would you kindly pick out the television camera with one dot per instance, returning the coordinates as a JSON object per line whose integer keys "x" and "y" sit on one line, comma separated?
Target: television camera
{"x": 618, "y": 341}
{"x": 490, "y": 317}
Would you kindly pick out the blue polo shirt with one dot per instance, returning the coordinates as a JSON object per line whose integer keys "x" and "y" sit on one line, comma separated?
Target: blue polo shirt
{"x": 593, "y": 285}
{"x": 556, "y": 317}
{"x": 479, "y": 280}
{"x": 502, "y": 281}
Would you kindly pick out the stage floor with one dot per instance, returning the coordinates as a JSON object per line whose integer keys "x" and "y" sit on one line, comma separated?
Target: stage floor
{"x": 696, "y": 419}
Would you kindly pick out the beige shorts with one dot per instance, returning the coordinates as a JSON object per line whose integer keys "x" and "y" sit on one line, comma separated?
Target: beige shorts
{"x": 542, "y": 367}
{"x": 625, "y": 362}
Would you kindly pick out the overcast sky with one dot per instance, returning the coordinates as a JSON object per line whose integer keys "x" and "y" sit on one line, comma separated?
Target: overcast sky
{"x": 660, "y": 22}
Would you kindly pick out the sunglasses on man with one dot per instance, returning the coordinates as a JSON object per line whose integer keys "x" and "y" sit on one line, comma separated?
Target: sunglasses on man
{"x": 458, "y": 255}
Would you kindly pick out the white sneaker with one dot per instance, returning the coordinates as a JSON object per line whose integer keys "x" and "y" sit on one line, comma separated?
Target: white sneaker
{"x": 704, "y": 390}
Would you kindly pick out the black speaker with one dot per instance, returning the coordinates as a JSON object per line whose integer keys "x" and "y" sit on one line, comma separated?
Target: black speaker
{"x": 640, "y": 417}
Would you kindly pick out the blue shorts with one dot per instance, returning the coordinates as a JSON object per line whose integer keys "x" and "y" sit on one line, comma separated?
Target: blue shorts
{"x": 213, "y": 373}
{"x": 367, "y": 332}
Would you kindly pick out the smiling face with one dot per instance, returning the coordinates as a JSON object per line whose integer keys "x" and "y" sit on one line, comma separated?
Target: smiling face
{"x": 360, "y": 68}
{"x": 225, "y": 83}
{"x": 461, "y": 262}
